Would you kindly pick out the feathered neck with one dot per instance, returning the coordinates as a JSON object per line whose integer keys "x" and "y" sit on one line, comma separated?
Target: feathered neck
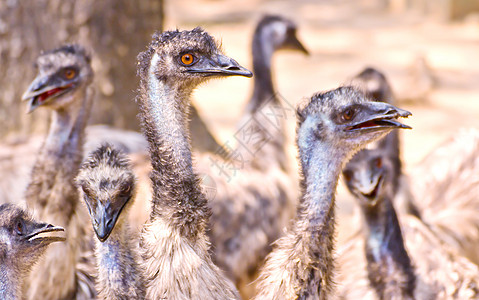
{"x": 263, "y": 50}
{"x": 386, "y": 253}
{"x": 177, "y": 196}
{"x": 59, "y": 161}
{"x": 11, "y": 281}
{"x": 321, "y": 164}
{"x": 119, "y": 273}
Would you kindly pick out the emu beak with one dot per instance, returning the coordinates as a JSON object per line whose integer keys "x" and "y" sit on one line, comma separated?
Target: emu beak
{"x": 379, "y": 116}
{"x": 44, "y": 88}
{"x": 105, "y": 217}
{"x": 370, "y": 189}
{"x": 42, "y": 234}
{"x": 293, "y": 43}
{"x": 220, "y": 65}
{"x": 105, "y": 221}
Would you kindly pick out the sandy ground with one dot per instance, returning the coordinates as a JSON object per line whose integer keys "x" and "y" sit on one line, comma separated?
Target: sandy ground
{"x": 432, "y": 66}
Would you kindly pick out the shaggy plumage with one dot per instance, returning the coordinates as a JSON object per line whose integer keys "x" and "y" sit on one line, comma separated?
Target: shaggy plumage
{"x": 253, "y": 193}
{"x": 107, "y": 185}
{"x": 331, "y": 127}
{"x": 174, "y": 242}
{"x": 61, "y": 85}
{"x": 446, "y": 186}
{"x": 22, "y": 242}
{"x": 397, "y": 259}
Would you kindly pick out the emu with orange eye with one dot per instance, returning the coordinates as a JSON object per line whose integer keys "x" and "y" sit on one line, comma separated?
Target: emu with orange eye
{"x": 348, "y": 114}
{"x": 188, "y": 59}
{"x": 19, "y": 228}
{"x": 69, "y": 73}
{"x": 378, "y": 162}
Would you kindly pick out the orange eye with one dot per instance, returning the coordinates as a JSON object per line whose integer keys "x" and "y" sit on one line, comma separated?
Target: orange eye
{"x": 348, "y": 114}
{"x": 379, "y": 162}
{"x": 70, "y": 73}
{"x": 187, "y": 59}
{"x": 19, "y": 228}
{"x": 347, "y": 175}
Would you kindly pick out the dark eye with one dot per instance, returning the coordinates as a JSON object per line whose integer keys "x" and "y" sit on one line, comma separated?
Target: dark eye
{"x": 348, "y": 175}
{"x": 125, "y": 192}
{"x": 69, "y": 73}
{"x": 188, "y": 59}
{"x": 348, "y": 114}
{"x": 19, "y": 227}
{"x": 379, "y": 162}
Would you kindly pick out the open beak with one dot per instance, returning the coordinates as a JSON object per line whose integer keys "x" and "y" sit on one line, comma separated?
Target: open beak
{"x": 220, "y": 65}
{"x": 370, "y": 190}
{"x": 43, "y": 234}
{"x": 43, "y": 89}
{"x": 293, "y": 43}
{"x": 105, "y": 220}
{"x": 379, "y": 116}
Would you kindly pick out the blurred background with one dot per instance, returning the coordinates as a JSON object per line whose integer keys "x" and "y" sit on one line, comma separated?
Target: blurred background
{"x": 428, "y": 50}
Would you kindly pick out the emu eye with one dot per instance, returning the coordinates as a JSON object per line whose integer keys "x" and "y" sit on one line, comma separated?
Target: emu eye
{"x": 347, "y": 175}
{"x": 125, "y": 192}
{"x": 187, "y": 59}
{"x": 348, "y": 114}
{"x": 19, "y": 228}
{"x": 379, "y": 162}
{"x": 69, "y": 73}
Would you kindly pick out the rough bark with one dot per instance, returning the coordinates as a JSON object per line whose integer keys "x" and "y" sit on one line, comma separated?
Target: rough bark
{"x": 114, "y": 30}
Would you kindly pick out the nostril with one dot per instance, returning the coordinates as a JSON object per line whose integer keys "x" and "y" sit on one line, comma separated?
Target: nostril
{"x": 391, "y": 112}
{"x": 233, "y": 68}
{"x": 109, "y": 223}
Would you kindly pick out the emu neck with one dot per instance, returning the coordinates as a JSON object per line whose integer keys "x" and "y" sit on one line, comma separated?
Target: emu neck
{"x": 321, "y": 173}
{"x": 389, "y": 266}
{"x": 263, "y": 50}
{"x": 167, "y": 105}
{"x": 111, "y": 257}
{"x": 11, "y": 282}
{"x": 177, "y": 196}
{"x": 58, "y": 162}
{"x": 316, "y": 224}
{"x": 119, "y": 275}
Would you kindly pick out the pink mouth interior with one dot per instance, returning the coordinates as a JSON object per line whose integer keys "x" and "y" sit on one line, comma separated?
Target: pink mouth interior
{"x": 365, "y": 125}
{"x": 48, "y": 94}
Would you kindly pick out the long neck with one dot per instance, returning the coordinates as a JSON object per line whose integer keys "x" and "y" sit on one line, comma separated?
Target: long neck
{"x": 263, "y": 83}
{"x": 119, "y": 274}
{"x": 11, "y": 282}
{"x": 262, "y": 127}
{"x": 389, "y": 267}
{"x": 51, "y": 190}
{"x": 304, "y": 255}
{"x": 321, "y": 171}
{"x": 177, "y": 194}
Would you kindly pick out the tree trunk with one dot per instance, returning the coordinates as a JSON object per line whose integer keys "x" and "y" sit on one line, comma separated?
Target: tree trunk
{"x": 115, "y": 31}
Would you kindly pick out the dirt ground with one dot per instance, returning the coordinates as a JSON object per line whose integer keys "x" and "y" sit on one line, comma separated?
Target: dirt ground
{"x": 432, "y": 65}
